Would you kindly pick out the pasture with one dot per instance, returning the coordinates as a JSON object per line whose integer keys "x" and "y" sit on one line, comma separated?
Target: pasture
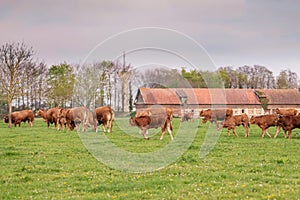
{"x": 41, "y": 163}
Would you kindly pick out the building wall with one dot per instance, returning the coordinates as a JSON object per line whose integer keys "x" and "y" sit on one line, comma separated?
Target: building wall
{"x": 250, "y": 110}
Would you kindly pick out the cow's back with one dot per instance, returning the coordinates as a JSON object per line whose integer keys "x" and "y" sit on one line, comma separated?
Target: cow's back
{"x": 52, "y": 114}
{"x": 104, "y": 114}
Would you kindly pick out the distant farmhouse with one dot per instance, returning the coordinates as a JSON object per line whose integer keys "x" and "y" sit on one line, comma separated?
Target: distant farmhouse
{"x": 249, "y": 101}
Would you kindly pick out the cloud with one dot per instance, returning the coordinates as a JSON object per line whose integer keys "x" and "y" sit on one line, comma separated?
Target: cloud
{"x": 233, "y": 31}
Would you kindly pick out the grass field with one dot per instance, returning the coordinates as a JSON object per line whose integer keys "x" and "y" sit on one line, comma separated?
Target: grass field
{"x": 41, "y": 163}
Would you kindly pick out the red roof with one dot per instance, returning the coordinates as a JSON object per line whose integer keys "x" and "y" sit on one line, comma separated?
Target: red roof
{"x": 203, "y": 96}
{"x": 281, "y": 96}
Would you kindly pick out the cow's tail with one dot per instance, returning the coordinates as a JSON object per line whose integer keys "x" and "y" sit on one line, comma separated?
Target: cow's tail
{"x": 85, "y": 119}
{"x": 112, "y": 118}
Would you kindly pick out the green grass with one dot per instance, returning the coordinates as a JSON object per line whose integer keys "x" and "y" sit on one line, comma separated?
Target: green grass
{"x": 41, "y": 163}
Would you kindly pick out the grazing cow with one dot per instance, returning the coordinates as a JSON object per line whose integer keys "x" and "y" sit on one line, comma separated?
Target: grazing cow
{"x": 20, "y": 116}
{"x": 264, "y": 122}
{"x": 61, "y": 119}
{"x": 189, "y": 116}
{"x": 41, "y": 113}
{"x": 80, "y": 115}
{"x": 215, "y": 115}
{"x": 105, "y": 116}
{"x": 288, "y": 123}
{"x": 52, "y": 116}
{"x": 155, "y": 118}
{"x": 231, "y": 122}
{"x": 290, "y": 111}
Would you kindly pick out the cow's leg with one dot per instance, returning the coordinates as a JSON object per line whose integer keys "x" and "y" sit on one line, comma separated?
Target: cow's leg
{"x": 267, "y": 132}
{"x": 170, "y": 128}
{"x": 263, "y": 133}
{"x": 277, "y": 131}
{"x": 234, "y": 132}
{"x": 144, "y": 133}
{"x": 103, "y": 127}
{"x": 163, "y": 131}
{"x": 246, "y": 130}
{"x": 57, "y": 126}
{"x": 290, "y": 134}
{"x": 284, "y": 133}
{"x": 228, "y": 130}
{"x": 108, "y": 126}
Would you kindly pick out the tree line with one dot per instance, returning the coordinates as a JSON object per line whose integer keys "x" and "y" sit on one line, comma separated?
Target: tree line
{"x": 26, "y": 83}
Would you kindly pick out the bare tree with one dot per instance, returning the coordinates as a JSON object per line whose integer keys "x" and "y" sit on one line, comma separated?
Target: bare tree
{"x": 12, "y": 58}
{"x": 256, "y": 77}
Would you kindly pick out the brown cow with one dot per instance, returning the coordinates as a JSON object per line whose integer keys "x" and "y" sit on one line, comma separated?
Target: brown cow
{"x": 290, "y": 111}
{"x": 81, "y": 115}
{"x": 61, "y": 119}
{"x": 264, "y": 122}
{"x": 288, "y": 123}
{"x": 189, "y": 116}
{"x": 52, "y": 116}
{"x": 20, "y": 116}
{"x": 228, "y": 123}
{"x": 41, "y": 113}
{"x": 157, "y": 118}
{"x": 105, "y": 116}
{"x": 231, "y": 122}
{"x": 215, "y": 115}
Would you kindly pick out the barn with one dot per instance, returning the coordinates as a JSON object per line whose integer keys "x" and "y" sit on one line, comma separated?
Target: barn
{"x": 195, "y": 99}
{"x": 279, "y": 98}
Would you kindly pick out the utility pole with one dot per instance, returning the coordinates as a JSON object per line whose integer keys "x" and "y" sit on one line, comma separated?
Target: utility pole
{"x": 124, "y": 76}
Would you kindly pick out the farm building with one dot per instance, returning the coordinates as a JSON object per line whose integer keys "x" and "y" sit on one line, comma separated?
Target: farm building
{"x": 195, "y": 99}
{"x": 279, "y": 98}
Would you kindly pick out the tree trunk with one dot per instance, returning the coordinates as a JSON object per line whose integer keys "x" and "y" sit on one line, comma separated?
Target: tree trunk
{"x": 9, "y": 113}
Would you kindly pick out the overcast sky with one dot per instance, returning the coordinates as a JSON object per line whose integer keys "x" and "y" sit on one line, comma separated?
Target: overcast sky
{"x": 232, "y": 32}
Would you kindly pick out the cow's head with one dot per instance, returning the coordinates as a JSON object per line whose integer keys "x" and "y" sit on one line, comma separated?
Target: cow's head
{"x": 132, "y": 121}
{"x": 252, "y": 120}
{"x": 201, "y": 112}
{"x": 39, "y": 113}
{"x": 6, "y": 118}
{"x": 204, "y": 120}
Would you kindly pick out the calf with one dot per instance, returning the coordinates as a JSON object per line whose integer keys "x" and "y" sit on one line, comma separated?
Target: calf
{"x": 288, "y": 123}
{"x": 52, "y": 115}
{"x": 20, "y": 116}
{"x": 41, "y": 113}
{"x": 162, "y": 118}
{"x": 264, "y": 122}
{"x": 215, "y": 115}
{"x": 231, "y": 122}
{"x": 81, "y": 115}
{"x": 105, "y": 116}
{"x": 189, "y": 116}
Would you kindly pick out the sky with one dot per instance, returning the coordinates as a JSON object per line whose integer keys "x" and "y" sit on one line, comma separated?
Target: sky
{"x": 228, "y": 33}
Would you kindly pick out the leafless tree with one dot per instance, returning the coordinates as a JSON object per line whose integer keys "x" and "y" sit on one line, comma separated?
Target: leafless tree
{"x": 13, "y": 56}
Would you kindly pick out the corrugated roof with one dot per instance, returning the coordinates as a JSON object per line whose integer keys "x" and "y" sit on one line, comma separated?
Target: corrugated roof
{"x": 198, "y": 96}
{"x": 159, "y": 96}
{"x": 281, "y": 96}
